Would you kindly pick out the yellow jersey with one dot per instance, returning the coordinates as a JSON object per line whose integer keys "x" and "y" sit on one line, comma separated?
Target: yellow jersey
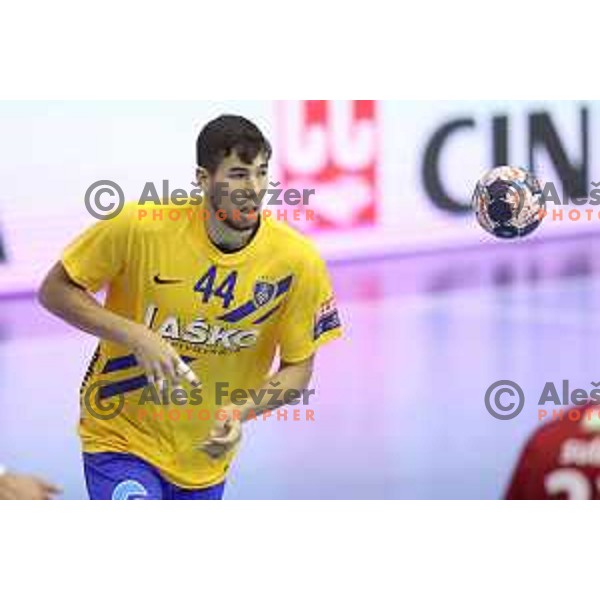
{"x": 226, "y": 314}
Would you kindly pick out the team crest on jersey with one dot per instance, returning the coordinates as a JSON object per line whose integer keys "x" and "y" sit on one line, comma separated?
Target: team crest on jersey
{"x": 263, "y": 292}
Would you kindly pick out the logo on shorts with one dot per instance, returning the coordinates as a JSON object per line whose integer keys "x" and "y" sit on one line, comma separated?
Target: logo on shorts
{"x": 129, "y": 490}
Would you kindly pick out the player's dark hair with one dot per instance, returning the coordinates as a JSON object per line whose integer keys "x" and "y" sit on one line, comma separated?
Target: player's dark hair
{"x": 228, "y": 133}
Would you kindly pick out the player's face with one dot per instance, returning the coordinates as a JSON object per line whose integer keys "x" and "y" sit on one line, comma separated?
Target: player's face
{"x": 235, "y": 189}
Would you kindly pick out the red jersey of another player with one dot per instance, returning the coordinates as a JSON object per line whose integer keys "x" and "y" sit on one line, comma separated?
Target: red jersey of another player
{"x": 561, "y": 460}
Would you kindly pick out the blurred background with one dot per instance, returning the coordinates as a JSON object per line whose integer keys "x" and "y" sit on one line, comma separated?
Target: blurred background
{"x": 435, "y": 310}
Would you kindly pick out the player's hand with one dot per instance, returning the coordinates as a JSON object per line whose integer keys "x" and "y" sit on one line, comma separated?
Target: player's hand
{"x": 159, "y": 359}
{"x": 25, "y": 487}
{"x": 224, "y": 436}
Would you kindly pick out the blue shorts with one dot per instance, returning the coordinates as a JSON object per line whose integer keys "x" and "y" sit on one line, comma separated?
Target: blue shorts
{"x": 120, "y": 476}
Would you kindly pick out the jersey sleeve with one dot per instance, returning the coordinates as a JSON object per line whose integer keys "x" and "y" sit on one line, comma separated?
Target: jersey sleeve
{"x": 311, "y": 317}
{"x": 97, "y": 255}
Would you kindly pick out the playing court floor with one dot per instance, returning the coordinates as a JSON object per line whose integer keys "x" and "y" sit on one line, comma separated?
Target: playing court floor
{"x": 399, "y": 410}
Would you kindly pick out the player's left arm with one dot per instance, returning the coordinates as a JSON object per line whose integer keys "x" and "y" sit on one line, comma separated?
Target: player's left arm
{"x": 287, "y": 385}
{"x": 310, "y": 320}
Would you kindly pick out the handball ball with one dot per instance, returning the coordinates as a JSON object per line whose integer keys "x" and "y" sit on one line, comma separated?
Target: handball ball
{"x": 508, "y": 202}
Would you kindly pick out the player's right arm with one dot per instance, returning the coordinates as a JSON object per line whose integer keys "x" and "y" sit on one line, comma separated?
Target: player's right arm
{"x": 87, "y": 265}
{"x": 66, "y": 299}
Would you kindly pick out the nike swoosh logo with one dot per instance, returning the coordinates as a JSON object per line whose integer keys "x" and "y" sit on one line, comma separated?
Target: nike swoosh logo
{"x": 158, "y": 279}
